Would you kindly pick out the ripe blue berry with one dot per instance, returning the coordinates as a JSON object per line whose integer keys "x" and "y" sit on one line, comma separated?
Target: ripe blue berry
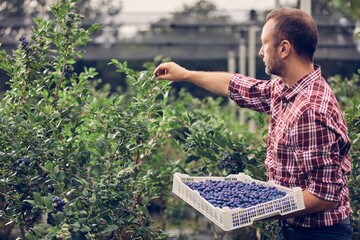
{"x": 24, "y": 42}
{"x": 17, "y": 165}
{"x": 58, "y": 203}
{"x": 68, "y": 70}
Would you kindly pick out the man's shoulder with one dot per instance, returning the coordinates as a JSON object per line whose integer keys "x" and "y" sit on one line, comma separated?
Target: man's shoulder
{"x": 318, "y": 95}
{"x": 317, "y": 99}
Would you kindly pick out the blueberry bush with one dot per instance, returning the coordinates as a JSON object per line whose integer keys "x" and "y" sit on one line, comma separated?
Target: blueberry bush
{"x": 75, "y": 159}
{"x": 346, "y": 91}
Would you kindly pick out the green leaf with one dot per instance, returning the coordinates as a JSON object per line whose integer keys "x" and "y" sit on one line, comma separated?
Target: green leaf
{"x": 49, "y": 166}
{"x": 143, "y": 209}
{"x": 110, "y": 228}
{"x": 56, "y": 170}
{"x": 85, "y": 192}
{"x": 107, "y": 164}
{"x": 115, "y": 61}
{"x": 59, "y": 217}
{"x": 78, "y": 100}
{"x": 76, "y": 225}
{"x": 48, "y": 203}
{"x": 41, "y": 229}
{"x": 51, "y": 235}
{"x": 101, "y": 145}
{"x": 76, "y": 205}
{"x": 93, "y": 28}
{"x": 38, "y": 199}
{"x": 30, "y": 201}
{"x": 85, "y": 228}
{"x": 31, "y": 236}
{"x": 192, "y": 158}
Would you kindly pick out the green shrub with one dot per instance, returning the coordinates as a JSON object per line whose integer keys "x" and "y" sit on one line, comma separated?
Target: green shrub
{"x": 348, "y": 95}
{"x": 72, "y": 154}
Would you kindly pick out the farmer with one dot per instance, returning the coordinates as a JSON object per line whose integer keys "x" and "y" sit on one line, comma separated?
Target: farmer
{"x": 308, "y": 146}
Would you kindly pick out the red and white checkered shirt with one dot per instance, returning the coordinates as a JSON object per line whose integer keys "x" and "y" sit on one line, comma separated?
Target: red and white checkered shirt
{"x": 308, "y": 146}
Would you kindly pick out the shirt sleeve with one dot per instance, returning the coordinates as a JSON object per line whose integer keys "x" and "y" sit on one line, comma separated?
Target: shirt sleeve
{"x": 317, "y": 155}
{"x": 251, "y": 93}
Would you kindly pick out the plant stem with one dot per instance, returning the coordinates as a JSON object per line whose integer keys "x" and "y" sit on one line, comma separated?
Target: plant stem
{"x": 62, "y": 75}
{"x": 22, "y": 230}
{"x": 99, "y": 215}
{"x": 214, "y": 231}
{"x": 5, "y": 195}
{"x": 223, "y": 235}
{"x": 218, "y": 171}
{"x": 117, "y": 147}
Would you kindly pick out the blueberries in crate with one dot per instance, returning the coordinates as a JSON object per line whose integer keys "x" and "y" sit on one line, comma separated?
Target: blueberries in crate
{"x": 235, "y": 194}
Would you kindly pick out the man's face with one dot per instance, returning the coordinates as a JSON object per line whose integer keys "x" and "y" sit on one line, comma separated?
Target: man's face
{"x": 269, "y": 53}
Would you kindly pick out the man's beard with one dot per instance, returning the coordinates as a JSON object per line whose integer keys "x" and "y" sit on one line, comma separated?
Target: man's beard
{"x": 274, "y": 66}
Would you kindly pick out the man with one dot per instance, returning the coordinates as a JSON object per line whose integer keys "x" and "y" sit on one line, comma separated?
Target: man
{"x": 308, "y": 144}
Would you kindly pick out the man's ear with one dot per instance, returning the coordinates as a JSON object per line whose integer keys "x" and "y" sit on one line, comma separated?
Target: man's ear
{"x": 284, "y": 49}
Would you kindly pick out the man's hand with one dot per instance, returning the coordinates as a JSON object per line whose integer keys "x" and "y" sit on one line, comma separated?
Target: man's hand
{"x": 171, "y": 71}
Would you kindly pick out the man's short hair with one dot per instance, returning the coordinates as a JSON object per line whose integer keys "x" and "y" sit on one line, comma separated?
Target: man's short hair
{"x": 298, "y": 28}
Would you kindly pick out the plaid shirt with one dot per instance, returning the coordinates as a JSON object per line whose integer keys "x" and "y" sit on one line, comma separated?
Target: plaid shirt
{"x": 308, "y": 146}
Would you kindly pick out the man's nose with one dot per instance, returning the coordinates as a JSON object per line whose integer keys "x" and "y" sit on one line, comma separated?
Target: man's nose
{"x": 261, "y": 52}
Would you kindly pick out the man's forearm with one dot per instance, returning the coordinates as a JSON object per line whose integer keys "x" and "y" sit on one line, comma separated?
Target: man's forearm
{"x": 216, "y": 82}
{"x": 312, "y": 204}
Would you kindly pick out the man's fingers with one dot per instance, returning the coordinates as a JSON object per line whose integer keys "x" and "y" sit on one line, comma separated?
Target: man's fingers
{"x": 162, "y": 77}
{"x": 161, "y": 72}
{"x": 161, "y": 69}
{"x": 167, "y": 71}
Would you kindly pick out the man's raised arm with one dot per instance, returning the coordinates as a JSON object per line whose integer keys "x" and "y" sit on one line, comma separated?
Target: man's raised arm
{"x": 216, "y": 82}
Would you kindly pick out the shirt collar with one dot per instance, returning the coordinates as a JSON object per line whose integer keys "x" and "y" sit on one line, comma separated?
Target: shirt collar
{"x": 289, "y": 93}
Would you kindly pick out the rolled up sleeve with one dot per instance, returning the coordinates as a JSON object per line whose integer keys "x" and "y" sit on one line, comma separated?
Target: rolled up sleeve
{"x": 251, "y": 93}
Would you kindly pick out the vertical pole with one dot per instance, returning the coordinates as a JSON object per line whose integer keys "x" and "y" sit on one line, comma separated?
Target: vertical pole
{"x": 277, "y": 4}
{"x": 252, "y": 64}
{"x": 252, "y": 51}
{"x": 242, "y": 56}
{"x": 305, "y": 5}
{"x": 242, "y": 68}
{"x": 231, "y": 61}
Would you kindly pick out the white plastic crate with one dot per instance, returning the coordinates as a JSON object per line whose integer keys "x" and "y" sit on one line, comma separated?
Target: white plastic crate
{"x": 229, "y": 219}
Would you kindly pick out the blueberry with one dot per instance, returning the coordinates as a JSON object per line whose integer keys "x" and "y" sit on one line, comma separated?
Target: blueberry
{"x": 58, "y": 203}
{"x": 24, "y": 42}
{"x": 25, "y": 160}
